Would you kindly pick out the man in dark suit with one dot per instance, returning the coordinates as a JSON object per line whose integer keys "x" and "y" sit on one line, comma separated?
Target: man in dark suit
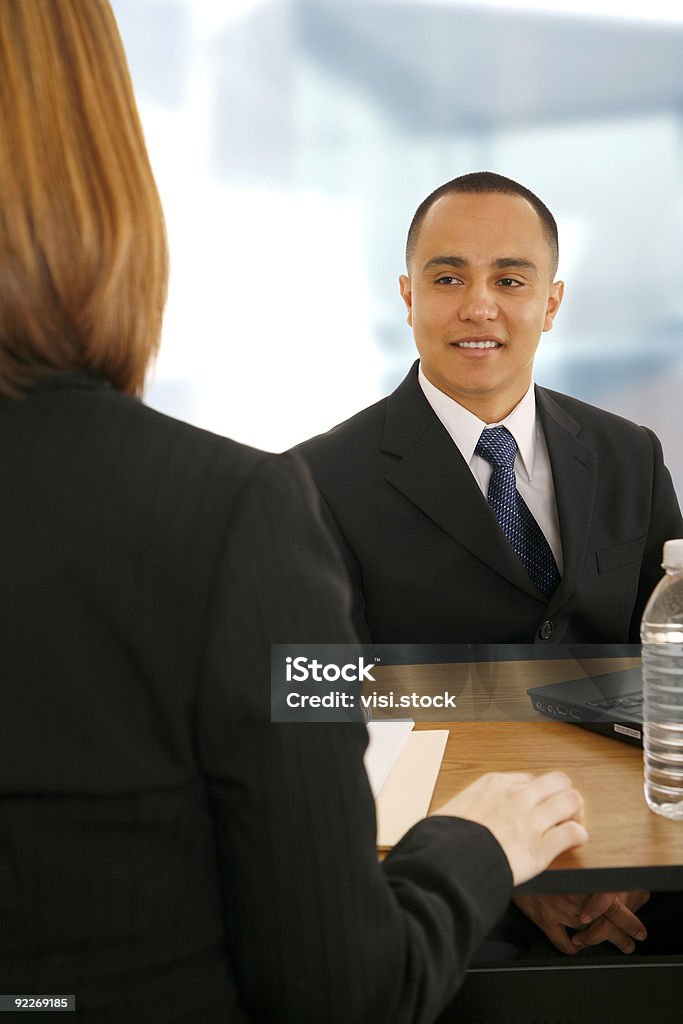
{"x": 405, "y": 489}
{"x": 471, "y": 507}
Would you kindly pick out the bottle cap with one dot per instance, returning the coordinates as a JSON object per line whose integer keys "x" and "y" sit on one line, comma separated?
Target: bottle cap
{"x": 673, "y": 554}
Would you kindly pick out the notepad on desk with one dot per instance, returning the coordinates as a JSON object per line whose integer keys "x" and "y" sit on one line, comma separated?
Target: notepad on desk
{"x": 403, "y": 795}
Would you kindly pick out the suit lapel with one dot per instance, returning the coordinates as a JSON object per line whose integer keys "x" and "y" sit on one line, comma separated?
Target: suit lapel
{"x": 433, "y": 475}
{"x": 574, "y": 468}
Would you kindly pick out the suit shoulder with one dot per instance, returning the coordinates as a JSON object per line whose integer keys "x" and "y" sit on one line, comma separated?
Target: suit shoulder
{"x": 590, "y": 417}
{"x": 155, "y": 459}
{"x": 199, "y": 452}
{"x": 229, "y": 466}
{"x": 362, "y": 429}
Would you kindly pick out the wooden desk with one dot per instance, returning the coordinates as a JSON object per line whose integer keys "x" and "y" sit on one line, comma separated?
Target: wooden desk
{"x": 629, "y": 846}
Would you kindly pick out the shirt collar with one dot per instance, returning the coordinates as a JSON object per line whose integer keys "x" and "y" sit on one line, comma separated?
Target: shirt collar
{"x": 465, "y": 428}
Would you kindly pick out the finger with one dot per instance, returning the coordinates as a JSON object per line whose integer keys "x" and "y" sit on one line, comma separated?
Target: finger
{"x": 626, "y": 920}
{"x": 560, "y": 838}
{"x": 613, "y": 907}
{"x": 604, "y": 931}
{"x": 566, "y": 908}
{"x": 544, "y": 786}
{"x": 517, "y": 778}
{"x": 559, "y": 937}
{"x": 563, "y": 806}
{"x": 596, "y": 905}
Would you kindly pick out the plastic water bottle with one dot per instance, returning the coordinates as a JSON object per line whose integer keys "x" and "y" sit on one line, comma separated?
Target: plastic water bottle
{"x": 661, "y": 633}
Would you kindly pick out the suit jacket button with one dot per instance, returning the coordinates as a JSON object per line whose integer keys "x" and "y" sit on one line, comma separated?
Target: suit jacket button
{"x": 546, "y": 630}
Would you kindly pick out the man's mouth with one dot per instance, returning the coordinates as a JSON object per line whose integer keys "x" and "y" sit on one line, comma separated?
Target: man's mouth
{"x": 478, "y": 343}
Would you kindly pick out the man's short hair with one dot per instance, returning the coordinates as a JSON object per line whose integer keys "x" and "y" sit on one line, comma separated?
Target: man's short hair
{"x": 482, "y": 182}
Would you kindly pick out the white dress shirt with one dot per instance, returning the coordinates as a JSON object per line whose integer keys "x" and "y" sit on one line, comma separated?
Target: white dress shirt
{"x": 532, "y": 463}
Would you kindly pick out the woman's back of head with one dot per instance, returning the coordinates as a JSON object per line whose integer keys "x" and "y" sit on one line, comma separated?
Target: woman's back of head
{"x": 83, "y": 258}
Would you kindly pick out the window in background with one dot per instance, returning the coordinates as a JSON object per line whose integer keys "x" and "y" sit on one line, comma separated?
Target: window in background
{"x": 292, "y": 141}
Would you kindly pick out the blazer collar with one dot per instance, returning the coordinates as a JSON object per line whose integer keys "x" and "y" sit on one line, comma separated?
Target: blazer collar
{"x": 433, "y": 475}
{"x": 408, "y": 415}
{"x": 574, "y": 465}
{"x": 73, "y": 379}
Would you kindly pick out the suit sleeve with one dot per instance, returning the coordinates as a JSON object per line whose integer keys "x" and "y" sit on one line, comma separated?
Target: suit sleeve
{"x": 316, "y": 929}
{"x": 666, "y": 523}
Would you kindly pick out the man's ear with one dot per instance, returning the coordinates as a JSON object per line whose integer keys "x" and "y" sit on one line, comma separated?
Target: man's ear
{"x": 407, "y": 295}
{"x": 554, "y": 303}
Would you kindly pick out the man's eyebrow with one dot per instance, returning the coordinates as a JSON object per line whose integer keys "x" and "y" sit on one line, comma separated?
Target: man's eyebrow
{"x": 460, "y": 263}
{"x": 508, "y": 262}
{"x": 446, "y": 261}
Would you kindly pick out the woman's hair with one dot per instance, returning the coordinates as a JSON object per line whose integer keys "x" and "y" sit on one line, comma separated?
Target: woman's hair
{"x": 83, "y": 257}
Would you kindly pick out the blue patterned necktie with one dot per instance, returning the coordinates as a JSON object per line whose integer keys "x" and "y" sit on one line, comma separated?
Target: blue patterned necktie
{"x": 498, "y": 446}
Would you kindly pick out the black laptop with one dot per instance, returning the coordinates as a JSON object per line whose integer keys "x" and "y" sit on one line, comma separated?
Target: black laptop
{"x": 611, "y": 704}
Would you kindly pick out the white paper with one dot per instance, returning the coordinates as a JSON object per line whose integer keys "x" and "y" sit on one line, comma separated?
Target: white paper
{"x": 407, "y": 793}
{"x": 387, "y": 740}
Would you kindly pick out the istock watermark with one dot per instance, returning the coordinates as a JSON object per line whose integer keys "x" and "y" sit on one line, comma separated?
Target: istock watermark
{"x": 347, "y": 683}
{"x": 426, "y": 682}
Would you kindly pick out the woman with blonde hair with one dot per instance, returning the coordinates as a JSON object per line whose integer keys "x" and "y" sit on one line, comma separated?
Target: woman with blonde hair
{"x": 166, "y": 852}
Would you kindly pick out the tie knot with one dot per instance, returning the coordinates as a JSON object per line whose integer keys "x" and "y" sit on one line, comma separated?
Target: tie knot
{"x": 497, "y": 446}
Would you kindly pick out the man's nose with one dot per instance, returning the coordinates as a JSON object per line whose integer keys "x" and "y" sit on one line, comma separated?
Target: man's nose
{"x": 478, "y": 304}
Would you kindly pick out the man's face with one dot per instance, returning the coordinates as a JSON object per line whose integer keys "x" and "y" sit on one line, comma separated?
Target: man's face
{"x": 479, "y": 296}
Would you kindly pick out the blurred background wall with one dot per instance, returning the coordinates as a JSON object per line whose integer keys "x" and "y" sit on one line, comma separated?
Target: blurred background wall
{"x": 293, "y": 139}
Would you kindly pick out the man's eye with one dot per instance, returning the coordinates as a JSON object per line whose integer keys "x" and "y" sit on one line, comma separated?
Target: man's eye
{"x": 510, "y": 282}
{"x": 448, "y": 279}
